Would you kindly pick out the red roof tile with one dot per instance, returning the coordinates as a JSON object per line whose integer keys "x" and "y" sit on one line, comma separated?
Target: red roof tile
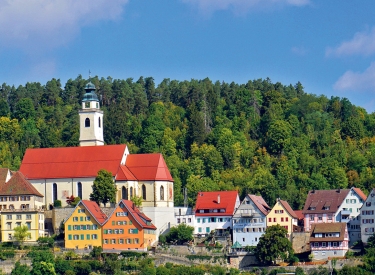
{"x": 141, "y": 218}
{"x": 289, "y": 209}
{"x": 148, "y": 167}
{"x": 95, "y": 211}
{"x": 18, "y": 185}
{"x": 260, "y": 203}
{"x": 209, "y": 200}
{"x": 71, "y": 162}
{"x": 124, "y": 173}
{"x": 360, "y": 193}
{"x": 299, "y": 214}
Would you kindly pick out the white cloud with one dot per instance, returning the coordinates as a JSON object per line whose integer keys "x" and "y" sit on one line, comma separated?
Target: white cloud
{"x": 48, "y": 23}
{"x": 299, "y": 51}
{"x": 357, "y": 80}
{"x": 363, "y": 43}
{"x": 240, "y": 6}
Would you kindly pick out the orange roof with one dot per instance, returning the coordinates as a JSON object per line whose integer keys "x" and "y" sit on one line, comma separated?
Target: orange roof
{"x": 138, "y": 216}
{"x": 71, "y": 162}
{"x": 145, "y": 167}
{"x": 18, "y": 185}
{"x": 124, "y": 173}
{"x": 360, "y": 193}
{"x": 95, "y": 211}
{"x": 210, "y": 200}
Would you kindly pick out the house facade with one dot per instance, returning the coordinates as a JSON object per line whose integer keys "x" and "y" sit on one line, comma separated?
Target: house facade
{"x": 367, "y": 217}
{"x": 249, "y": 220}
{"x": 329, "y": 240}
{"x": 20, "y": 204}
{"x": 214, "y": 212}
{"x": 83, "y": 228}
{"x": 330, "y": 206}
{"x": 282, "y": 214}
{"x": 128, "y": 229}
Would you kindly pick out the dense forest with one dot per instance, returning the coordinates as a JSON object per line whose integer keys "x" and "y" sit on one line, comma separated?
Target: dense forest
{"x": 260, "y": 137}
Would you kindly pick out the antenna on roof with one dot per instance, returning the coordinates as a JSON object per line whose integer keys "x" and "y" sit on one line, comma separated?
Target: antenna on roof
{"x": 89, "y": 75}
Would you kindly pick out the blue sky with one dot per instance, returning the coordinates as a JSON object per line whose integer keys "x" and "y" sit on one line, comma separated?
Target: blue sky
{"x": 329, "y": 46}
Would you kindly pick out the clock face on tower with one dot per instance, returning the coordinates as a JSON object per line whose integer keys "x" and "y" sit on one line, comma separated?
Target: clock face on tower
{"x": 87, "y": 104}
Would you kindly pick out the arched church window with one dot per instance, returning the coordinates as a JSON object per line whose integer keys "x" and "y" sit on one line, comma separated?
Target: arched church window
{"x": 79, "y": 189}
{"x": 131, "y": 192}
{"x": 54, "y": 192}
{"x": 144, "y": 192}
{"x": 99, "y": 123}
{"x": 124, "y": 193}
{"x": 87, "y": 122}
{"x": 162, "y": 193}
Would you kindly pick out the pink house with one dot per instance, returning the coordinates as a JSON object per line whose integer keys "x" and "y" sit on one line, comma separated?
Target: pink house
{"x": 329, "y": 240}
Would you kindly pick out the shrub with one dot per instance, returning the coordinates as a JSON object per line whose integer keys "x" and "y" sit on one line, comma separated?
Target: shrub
{"x": 57, "y": 203}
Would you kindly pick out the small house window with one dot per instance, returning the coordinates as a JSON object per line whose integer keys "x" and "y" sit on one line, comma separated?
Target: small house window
{"x": 99, "y": 122}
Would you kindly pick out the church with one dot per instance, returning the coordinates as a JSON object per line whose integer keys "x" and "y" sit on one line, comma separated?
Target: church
{"x": 58, "y": 173}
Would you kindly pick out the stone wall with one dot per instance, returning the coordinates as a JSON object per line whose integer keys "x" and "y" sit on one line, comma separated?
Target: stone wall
{"x": 59, "y": 215}
{"x": 300, "y": 242}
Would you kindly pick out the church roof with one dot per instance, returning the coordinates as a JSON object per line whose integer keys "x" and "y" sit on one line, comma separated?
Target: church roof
{"x": 18, "y": 185}
{"x": 144, "y": 167}
{"x": 71, "y": 162}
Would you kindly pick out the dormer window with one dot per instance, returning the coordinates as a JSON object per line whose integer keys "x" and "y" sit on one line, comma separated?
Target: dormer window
{"x": 312, "y": 208}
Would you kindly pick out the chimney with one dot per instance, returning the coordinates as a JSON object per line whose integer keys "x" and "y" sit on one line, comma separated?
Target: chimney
{"x": 218, "y": 199}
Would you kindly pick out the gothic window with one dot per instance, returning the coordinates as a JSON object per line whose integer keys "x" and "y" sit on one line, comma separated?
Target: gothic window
{"x": 87, "y": 122}
{"x": 54, "y": 193}
{"x": 162, "y": 193}
{"x": 124, "y": 193}
{"x": 99, "y": 123}
{"x": 79, "y": 189}
{"x": 144, "y": 192}
{"x": 131, "y": 192}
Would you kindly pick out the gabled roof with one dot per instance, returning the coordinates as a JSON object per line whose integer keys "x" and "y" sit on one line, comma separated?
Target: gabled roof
{"x": 145, "y": 167}
{"x": 138, "y": 216}
{"x": 299, "y": 214}
{"x": 260, "y": 203}
{"x": 337, "y": 227}
{"x": 360, "y": 193}
{"x": 94, "y": 210}
{"x": 288, "y": 209}
{"x": 225, "y": 200}
{"x": 124, "y": 173}
{"x": 71, "y": 162}
{"x": 18, "y": 185}
{"x": 319, "y": 198}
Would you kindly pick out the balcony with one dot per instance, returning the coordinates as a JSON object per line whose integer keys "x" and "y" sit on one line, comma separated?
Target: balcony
{"x": 345, "y": 212}
{"x": 246, "y": 215}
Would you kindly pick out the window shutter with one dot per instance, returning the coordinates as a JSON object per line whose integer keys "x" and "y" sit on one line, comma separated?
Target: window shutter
{"x": 113, "y": 222}
{"x": 81, "y": 219}
{"x": 70, "y": 237}
{"x": 105, "y": 231}
{"x": 69, "y": 227}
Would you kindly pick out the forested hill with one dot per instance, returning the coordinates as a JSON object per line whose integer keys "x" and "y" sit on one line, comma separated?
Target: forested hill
{"x": 259, "y": 137}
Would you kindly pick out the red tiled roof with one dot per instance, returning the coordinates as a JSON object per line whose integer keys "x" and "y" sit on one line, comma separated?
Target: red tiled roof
{"x": 319, "y": 198}
{"x": 123, "y": 173}
{"x": 95, "y": 211}
{"x": 289, "y": 209}
{"x": 360, "y": 193}
{"x": 137, "y": 214}
{"x": 18, "y": 185}
{"x": 299, "y": 214}
{"x": 260, "y": 203}
{"x": 71, "y": 162}
{"x": 147, "y": 167}
{"x": 209, "y": 200}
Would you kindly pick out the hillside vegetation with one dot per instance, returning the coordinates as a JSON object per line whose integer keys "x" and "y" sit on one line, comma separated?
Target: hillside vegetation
{"x": 259, "y": 137}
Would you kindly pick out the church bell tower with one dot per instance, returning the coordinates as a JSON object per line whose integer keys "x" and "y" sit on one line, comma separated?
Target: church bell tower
{"x": 90, "y": 119}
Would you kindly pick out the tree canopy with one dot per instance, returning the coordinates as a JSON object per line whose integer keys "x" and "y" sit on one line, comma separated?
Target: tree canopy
{"x": 103, "y": 189}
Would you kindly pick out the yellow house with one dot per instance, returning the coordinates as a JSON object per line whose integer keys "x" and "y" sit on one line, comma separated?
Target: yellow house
{"x": 20, "y": 204}
{"x": 283, "y": 215}
{"x": 83, "y": 228}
